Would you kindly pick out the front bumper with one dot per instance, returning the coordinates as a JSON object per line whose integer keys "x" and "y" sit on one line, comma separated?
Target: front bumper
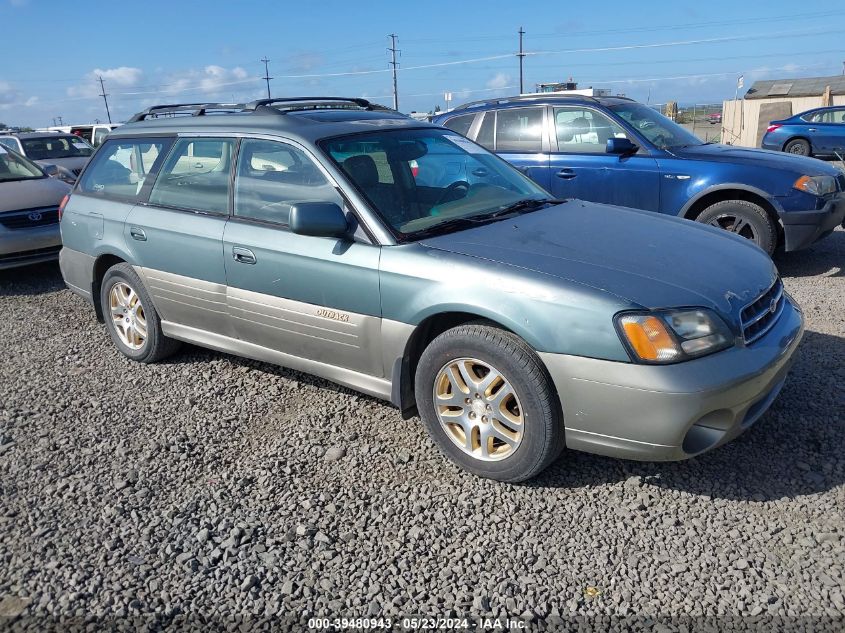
{"x": 672, "y": 412}
{"x": 803, "y": 228}
{"x": 21, "y": 247}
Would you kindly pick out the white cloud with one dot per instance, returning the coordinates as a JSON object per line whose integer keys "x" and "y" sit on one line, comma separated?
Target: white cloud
{"x": 499, "y": 81}
{"x": 210, "y": 80}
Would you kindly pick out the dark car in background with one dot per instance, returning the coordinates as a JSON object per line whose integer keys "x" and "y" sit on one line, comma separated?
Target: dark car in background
{"x": 617, "y": 151}
{"x": 819, "y": 132}
{"x": 29, "y": 211}
{"x": 69, "y": 153}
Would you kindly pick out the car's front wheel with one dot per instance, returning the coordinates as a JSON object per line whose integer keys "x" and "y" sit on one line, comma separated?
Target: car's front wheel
{"x": 746, "y": 219}
{"x": 797, "y": 146}
{"x": 487, "y": 401}
{"x": 131, "y": 318}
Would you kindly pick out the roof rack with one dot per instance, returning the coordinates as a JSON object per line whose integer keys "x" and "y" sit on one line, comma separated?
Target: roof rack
{"x": 283, "y": 105}
{"x": 534, "y": 96}
{"x": 194, "y": 109}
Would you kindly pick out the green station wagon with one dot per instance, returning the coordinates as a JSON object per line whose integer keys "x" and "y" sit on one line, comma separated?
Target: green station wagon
{"x": 339, "y": 238}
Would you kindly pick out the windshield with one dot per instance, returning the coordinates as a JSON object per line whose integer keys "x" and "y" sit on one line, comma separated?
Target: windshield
{"x": 49, "y": 147}
{"x": 15, "y": 167}
{"x": 662, "y": 132}
{"x": 422, "y": 181}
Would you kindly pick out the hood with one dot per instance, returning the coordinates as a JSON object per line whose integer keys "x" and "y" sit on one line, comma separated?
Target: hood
{"x": 647, "y": 259}
{"x": 800, "y": 165}
{"x": 32, "y": 194}
{"x": 75, "y": 163}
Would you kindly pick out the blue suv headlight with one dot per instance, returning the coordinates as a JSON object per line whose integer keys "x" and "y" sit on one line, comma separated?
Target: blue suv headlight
{"x": 816, "y": 185}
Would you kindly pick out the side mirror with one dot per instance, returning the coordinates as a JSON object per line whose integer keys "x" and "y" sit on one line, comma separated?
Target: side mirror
{"x": 621, "y": 146}
{"x": 319, "y": 219}
{"x": 50, "y": 170}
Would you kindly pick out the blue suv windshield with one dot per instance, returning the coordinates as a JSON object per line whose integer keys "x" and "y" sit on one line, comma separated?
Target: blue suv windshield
{"x": 662, "y": 132}
{"x": 423, "y": 181}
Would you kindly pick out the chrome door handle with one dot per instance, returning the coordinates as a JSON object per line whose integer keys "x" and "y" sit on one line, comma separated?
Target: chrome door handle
{"x": 811, "y": 129}
{"x": 137, "y": 234}
{"x": 243, "y": 255}
{"x": 567, "y": 174}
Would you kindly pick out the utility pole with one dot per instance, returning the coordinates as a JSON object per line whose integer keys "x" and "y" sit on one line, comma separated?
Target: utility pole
{"x": 104, "y": 95}
{"x": 393, "y": 63}
{"x": 520, "y": 54}
{"x": 267, "y": 76}
{"x": 60, "y": 120}
{"x": 54, "y": 121}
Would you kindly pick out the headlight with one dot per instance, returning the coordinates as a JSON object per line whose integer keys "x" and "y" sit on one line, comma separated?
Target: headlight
{"x": 816, "y": 185}
{"x": 670, "y": 336}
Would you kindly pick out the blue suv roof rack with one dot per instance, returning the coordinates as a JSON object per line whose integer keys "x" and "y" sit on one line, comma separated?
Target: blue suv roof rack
{"x": 532, "y": 97}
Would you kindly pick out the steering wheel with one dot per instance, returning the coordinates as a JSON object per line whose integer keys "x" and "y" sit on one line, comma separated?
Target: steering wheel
{"x": 458, "y": 185}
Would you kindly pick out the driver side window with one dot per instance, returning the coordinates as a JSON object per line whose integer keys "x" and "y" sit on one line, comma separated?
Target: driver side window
{"x": 584, "y": 131}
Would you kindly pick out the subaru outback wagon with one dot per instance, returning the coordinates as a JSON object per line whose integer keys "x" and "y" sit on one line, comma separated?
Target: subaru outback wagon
{"x": 297, "y": 231}
{"x": 617, "y": 151}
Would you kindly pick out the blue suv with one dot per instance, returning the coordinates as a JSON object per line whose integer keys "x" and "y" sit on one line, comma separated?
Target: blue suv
{"x": 617, "y": 151}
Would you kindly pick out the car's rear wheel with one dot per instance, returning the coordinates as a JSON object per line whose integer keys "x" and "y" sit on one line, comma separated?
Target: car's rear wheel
{"x": 797, "y": 146}
{"x": 487, "y": 401}
{"x": 131, "y": 318}
{"x": 746, "y": 219}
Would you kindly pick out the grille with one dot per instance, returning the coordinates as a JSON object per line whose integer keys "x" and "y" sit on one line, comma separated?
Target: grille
{"x": 76, "y": 172}
{"x": 26, "y": 255}
{"x": 760, "y": 316}
{"x": 30, "y": 218}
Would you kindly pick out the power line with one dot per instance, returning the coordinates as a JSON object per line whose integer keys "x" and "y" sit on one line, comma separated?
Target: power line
{"x": 104, "y": 96}
{"x": 393, "y": 63}
{"x": 267, "y": 76}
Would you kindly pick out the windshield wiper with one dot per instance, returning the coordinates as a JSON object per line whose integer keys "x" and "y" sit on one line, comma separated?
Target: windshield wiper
{"x": 520, "y": 206}
{"x": 528, "y": 204}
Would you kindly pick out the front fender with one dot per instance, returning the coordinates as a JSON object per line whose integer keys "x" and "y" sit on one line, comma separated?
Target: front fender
{"x": 691, "y": 203}
{"x": 550, "y": 314}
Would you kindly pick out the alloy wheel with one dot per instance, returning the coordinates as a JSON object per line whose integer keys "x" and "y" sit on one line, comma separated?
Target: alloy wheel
{"x": 127, "y": 314}
{"x": 735, "y": 224}
{"x": 478, "y": 409}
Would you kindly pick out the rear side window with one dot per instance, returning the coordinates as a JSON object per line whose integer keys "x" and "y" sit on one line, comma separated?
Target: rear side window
{"x": 195, "y": 176}
{"x": 274, "y": 176}
{"x": 519, "y": 130}
{"x": 120, "y": 168}
{"x": 460, "y": 124}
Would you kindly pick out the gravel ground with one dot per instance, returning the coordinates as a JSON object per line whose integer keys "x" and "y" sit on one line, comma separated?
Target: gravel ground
{"x": 218, "y": 492}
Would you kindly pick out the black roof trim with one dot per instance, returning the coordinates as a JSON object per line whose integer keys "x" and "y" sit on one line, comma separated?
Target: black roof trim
{"x": 282, "y": 105}
{"x": 540, "y": 96}
{"x": 195, "y": 109}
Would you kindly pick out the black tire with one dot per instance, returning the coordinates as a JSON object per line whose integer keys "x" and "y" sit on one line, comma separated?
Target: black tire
{"x": 746, "y": 219}
{"x": 798, "y": 146}
{"x": 542, "y": 427}
{"x": 156, "y": 345}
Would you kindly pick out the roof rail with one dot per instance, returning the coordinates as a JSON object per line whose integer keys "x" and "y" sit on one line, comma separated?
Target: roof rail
{"x": 533, "y": 96}
{"x": 195, "y": 109}
{"x": 288, "y": 104}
